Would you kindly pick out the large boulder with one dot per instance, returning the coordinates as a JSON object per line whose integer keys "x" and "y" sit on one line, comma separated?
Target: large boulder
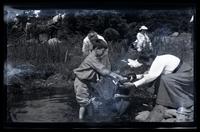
{"x": 169, "y": 115}
{"x": 142, "y": 116}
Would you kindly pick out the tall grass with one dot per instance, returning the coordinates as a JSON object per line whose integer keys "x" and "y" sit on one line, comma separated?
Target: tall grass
{"x": 67, "y": 55}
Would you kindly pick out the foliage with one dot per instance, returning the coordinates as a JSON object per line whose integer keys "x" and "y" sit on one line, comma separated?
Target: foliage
{"x": 119, "y": 29}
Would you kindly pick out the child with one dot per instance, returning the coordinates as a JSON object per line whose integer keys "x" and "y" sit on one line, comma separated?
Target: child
{"x": 86, "y": 75}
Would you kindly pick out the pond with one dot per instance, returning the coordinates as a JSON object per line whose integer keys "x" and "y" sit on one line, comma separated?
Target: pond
{"x": 54, "y": 108}
{"x": 52, "y": 99}
{"x": 45, "y": 106}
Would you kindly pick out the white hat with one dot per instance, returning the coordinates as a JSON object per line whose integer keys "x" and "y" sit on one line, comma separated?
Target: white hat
{"x": 143, "y": 28}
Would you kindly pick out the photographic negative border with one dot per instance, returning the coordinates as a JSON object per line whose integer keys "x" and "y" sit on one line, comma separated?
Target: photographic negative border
{"x": 101, "y": 5}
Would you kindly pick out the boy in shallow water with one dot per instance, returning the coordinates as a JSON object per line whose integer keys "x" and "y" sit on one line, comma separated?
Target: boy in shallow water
{"x": 87, "y": 75}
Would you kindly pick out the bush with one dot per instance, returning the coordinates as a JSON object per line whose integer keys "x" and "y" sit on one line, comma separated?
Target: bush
{"x": 111, "y": 34}
{"x": 119, "y": 29}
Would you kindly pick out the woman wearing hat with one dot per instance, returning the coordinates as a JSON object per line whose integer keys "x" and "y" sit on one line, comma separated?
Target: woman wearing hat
{"x": 173, "y": 81}
{"x": 142, "y": 40}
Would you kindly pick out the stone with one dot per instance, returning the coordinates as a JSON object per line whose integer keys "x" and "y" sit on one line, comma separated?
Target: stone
{"x": 157, "y": 114}
{"x": 169, "y": 113}
{"x": 169, "y": 120}
{"x": 142, "y": 116}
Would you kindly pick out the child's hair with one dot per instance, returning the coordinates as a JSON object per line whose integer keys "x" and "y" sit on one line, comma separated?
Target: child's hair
{"x": 98, "y": 43}
{"x": 92, "y": 35}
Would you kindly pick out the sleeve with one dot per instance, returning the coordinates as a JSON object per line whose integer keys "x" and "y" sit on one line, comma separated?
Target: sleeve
{"x": 148, "y": 39}
{"x": 99, "y": 67}
{"x": 140, "y": 38}
{"x": 102, "y": 38}
{"x": 155, "y": 71}
{"x": 85, "y": 48}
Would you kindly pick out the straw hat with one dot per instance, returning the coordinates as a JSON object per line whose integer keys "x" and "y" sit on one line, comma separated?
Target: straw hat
{"x": 143, "y": 28}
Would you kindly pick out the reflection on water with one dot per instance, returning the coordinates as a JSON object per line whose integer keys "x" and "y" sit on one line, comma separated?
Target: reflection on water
{"x": 55, "y": 108}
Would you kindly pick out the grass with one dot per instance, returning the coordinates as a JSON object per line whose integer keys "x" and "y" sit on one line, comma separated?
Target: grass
{"x": 67, "y": 55}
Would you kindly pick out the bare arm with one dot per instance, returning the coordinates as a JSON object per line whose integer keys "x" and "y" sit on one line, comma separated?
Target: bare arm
{"x": 156, "y": 70}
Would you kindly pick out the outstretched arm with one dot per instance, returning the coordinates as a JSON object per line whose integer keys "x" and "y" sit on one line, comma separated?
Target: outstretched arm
{"x": 103, "y": 71}
{"x": 156, "y": 70}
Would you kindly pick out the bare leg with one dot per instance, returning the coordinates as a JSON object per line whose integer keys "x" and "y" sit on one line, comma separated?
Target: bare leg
{"x": 81, "y": 112}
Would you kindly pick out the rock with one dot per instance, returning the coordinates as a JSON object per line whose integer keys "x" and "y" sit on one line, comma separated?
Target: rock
{"x": 157, "y": 114}
{"x": 169, "y": 120}
{"x": 169, "y": 113}
{"x": 142, "y": 116}
{"x": 182, "y": 118}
